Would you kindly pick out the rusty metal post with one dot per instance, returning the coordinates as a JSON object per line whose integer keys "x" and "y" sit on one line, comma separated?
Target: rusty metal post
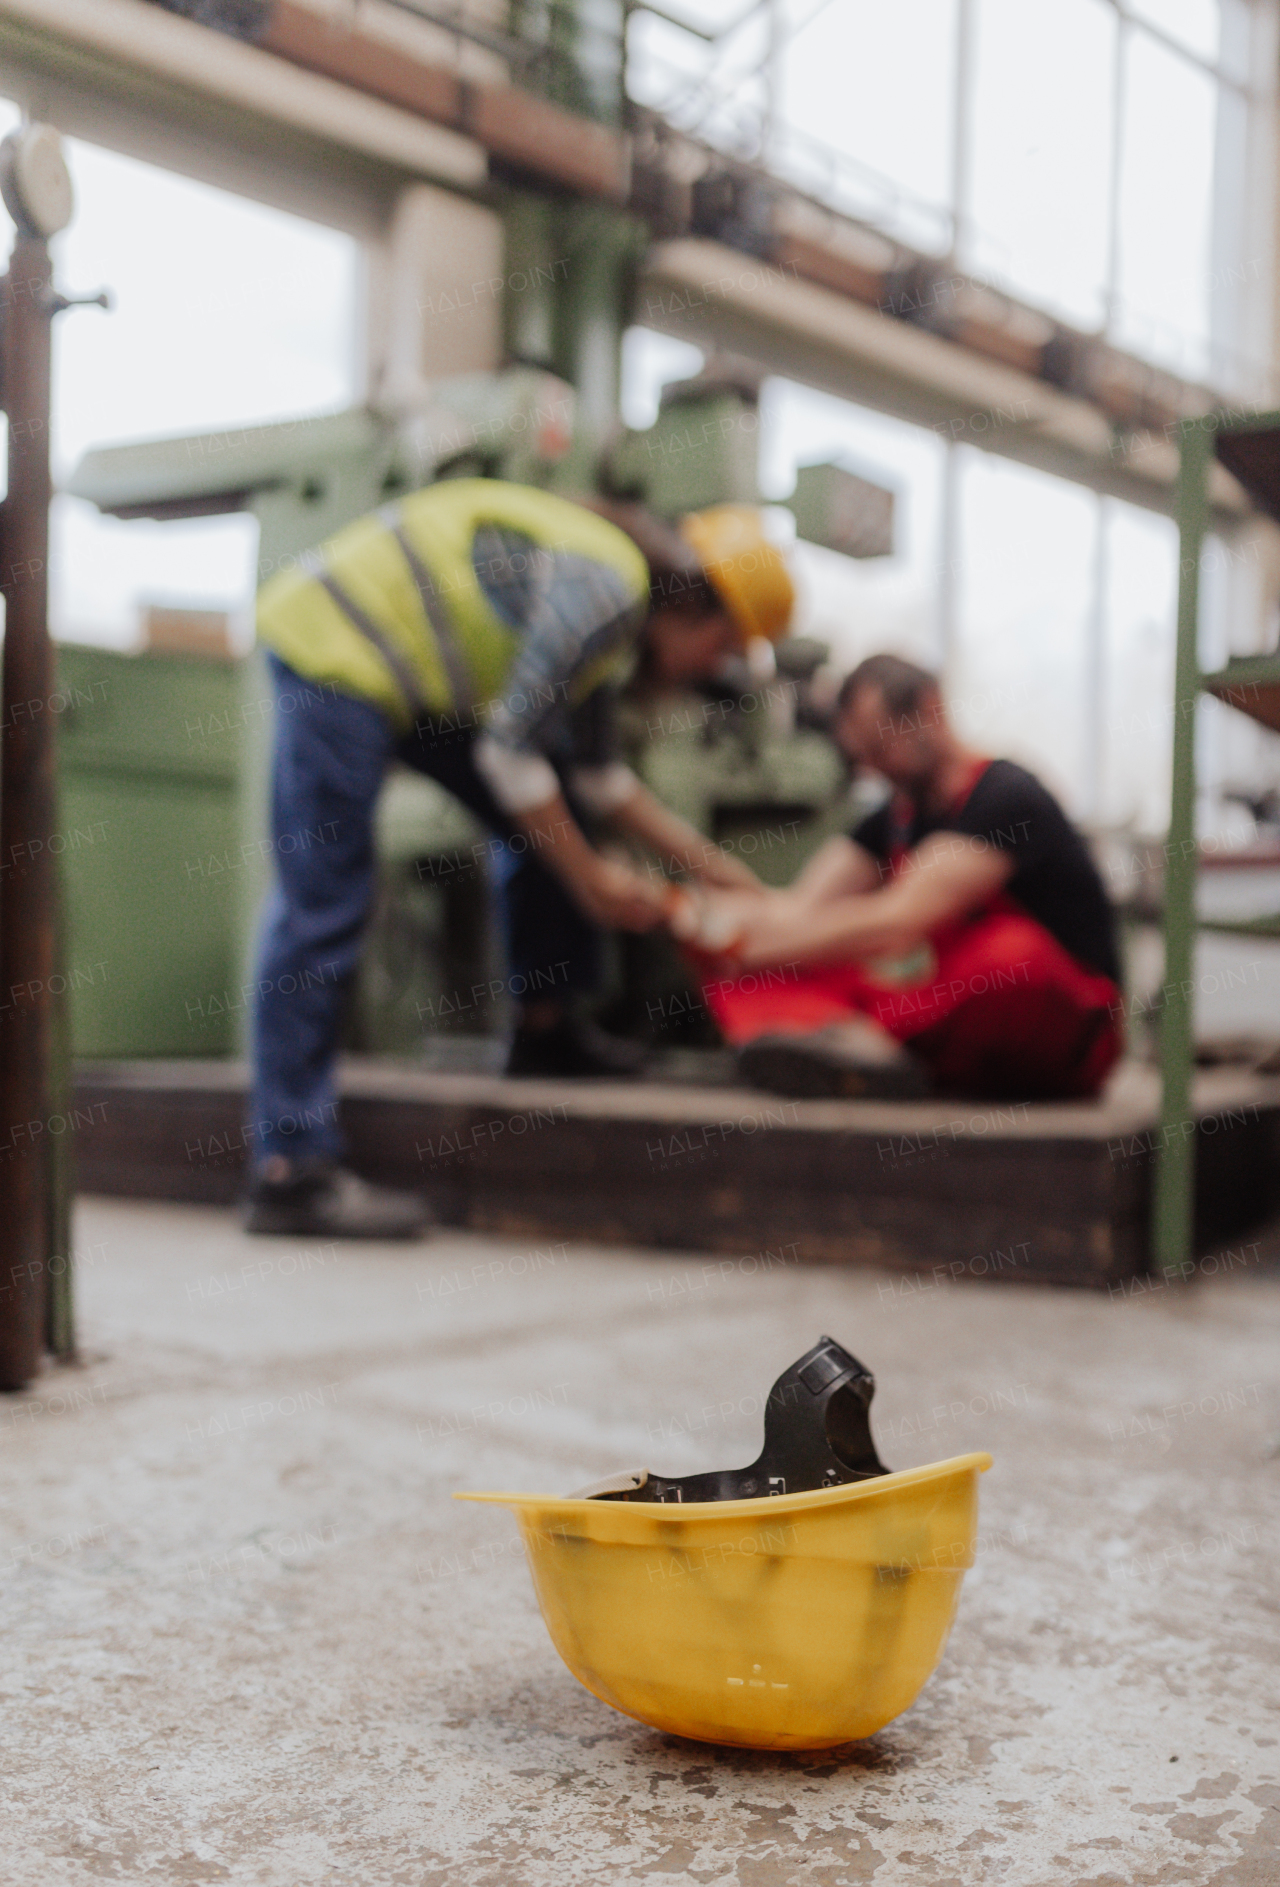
{"x": 28, "y": 817}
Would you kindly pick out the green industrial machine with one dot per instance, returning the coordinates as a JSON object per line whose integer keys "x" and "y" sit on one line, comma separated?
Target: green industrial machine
{"x": 1250, "y": 450}
{"x": 151, "y": 852}
{"x": 178, "y": 902}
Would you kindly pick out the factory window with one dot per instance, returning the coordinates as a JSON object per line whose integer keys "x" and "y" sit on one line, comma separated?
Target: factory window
{"x": 879, "y": 602}
{"x": 227, "y": 314}
{"x": 1162, "y": 292}
{"x": 1023, "y": 611}
{"x": 1106, "y": 160}
{"x": 1138, "y": 597}
{"x": 1034, "y": 202}
{"x": 866, "y": 111}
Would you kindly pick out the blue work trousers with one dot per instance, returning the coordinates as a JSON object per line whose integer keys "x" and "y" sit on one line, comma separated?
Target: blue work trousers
{"x": 331, "y": 753}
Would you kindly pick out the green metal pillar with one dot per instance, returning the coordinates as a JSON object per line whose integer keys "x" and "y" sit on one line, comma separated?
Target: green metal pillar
{"x": 537, "y": 269}
{"x": 1174, "y": 1198}
{"x": 602, "y": 248}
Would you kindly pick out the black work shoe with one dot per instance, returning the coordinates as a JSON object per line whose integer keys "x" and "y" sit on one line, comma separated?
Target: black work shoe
{"x": 846, "y": 1060}
{"x": 573, "y": 1049}
{"x": 325, "y": 1201}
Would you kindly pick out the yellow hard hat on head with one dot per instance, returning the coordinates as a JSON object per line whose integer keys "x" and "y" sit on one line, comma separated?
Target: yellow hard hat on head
{"x": 747, "y": 572}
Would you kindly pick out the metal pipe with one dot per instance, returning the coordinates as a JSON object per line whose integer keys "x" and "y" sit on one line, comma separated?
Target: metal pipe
{"x": 1173, "y": 1204}
{"x": 1095, "y": 665}
{"x": 28, "y": 817}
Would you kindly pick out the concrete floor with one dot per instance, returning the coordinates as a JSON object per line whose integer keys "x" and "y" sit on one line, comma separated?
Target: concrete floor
{"x": 251, "y": 1639}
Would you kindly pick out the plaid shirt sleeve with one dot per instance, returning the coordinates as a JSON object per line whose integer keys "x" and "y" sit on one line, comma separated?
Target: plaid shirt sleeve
{"x": 578, "y": 622}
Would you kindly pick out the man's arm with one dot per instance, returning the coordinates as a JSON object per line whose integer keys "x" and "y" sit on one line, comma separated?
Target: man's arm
{"x": 946, "y": 877}
{"x": 840, "y": 869}
{"x": 677, "y": 843}
{"x": 608, "y": 892}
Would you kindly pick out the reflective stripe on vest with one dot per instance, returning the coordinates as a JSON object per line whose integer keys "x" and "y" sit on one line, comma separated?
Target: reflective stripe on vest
{"x": 361, "y": 621}
{"x": 456, "y": 666}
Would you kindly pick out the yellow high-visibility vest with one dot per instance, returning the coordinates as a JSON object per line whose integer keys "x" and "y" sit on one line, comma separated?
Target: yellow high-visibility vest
{"x": 390, "y": 609}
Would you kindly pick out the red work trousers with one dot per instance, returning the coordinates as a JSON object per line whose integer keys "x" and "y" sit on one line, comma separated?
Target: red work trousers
{"x": 1004, "y": 1011}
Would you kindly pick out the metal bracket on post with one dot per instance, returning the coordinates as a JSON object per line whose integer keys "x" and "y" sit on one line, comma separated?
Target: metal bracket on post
{"x": 59, "y": 303}
{"x": 1173, "y": 1203}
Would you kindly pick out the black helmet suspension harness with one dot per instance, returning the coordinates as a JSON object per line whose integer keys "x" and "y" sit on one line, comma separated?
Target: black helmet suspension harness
{"x": 817, "y": 1433}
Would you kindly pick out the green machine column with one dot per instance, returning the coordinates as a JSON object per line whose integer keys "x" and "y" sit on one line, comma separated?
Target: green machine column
{"x": 601, "y": 248}
{"x": 571, "y": 265}
{"x": 1174, "y": 1198}
{"x": 577, "y": 50}
{"x": 570, "y": 274}
{"x": 536, "y": 271}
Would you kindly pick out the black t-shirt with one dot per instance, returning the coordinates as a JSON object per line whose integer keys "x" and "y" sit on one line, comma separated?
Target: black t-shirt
{"x": 1054, "y": 879}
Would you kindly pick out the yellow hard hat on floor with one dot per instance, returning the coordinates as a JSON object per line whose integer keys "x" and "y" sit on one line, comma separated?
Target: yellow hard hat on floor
{"x": 788, "y": 1623}
{"x": 791, "y": 1620}
{"x": 748, "y": 573}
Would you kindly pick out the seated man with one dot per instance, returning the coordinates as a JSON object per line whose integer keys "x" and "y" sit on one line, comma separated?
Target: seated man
{"x": 959, "y": 940}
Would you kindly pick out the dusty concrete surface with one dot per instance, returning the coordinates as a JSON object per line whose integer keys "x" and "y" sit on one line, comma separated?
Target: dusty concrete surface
{"x": 249, "y": 1638}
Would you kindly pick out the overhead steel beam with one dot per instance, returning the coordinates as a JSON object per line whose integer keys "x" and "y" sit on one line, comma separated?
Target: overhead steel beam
{"x": 82, "y": 55}
{"x": 705, "y": 292}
